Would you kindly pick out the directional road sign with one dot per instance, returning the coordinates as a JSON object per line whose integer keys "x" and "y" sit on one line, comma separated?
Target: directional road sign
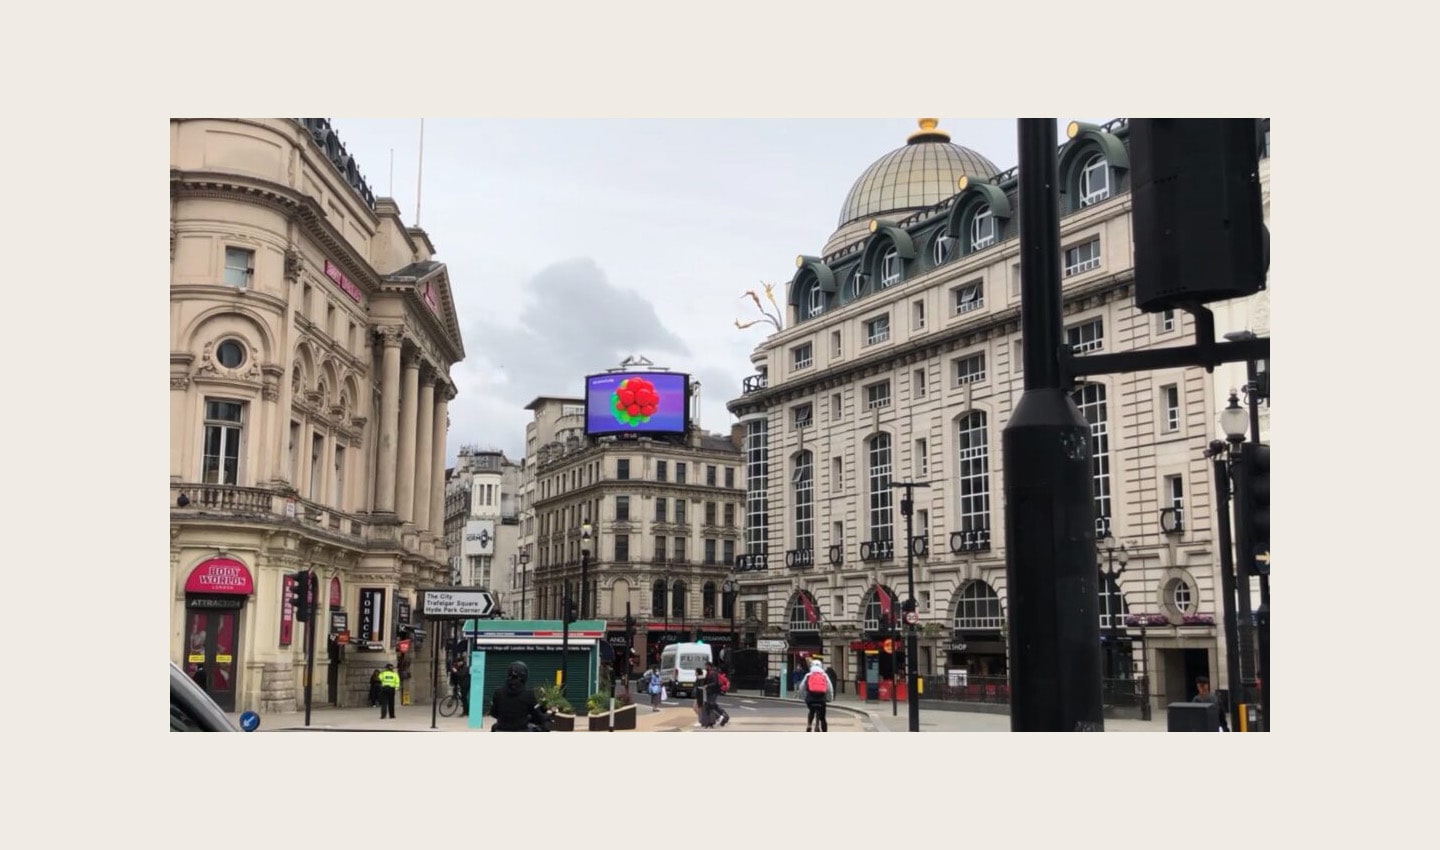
{"x": 459, "y": 603}
{"x": 772, "y": 645}
{"x": 1262, "y": 561}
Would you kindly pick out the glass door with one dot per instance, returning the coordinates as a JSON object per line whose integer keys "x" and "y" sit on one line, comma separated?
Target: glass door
{"x": 210, "y": 653}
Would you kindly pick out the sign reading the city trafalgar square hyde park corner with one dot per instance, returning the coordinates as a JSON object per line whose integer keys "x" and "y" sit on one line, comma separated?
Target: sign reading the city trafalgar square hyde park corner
{"x": 447, "y": 602}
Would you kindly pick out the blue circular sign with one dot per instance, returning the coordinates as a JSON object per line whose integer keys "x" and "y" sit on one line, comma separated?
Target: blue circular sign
{"x": 249, "y": 721}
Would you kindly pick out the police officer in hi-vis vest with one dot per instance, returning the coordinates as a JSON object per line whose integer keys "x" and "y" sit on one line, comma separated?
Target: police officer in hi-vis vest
{"x": 389, "y": 684}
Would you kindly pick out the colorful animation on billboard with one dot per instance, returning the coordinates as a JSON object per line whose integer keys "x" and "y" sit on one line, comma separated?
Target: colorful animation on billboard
{"x": 636, "y": 403}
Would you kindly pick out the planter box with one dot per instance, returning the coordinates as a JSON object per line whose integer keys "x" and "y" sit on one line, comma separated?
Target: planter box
{"x": 624, "y": 720}
{"x": 562, "y": 723}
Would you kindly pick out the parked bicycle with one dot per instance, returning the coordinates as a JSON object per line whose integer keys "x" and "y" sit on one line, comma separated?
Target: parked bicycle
{"x": 451, "y": 703}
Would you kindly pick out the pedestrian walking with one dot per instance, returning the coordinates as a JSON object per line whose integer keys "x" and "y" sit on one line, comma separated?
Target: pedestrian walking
{"x": 818, "y": 692}
{"x": 515, "y": 706}
{"x": 713, "y": 689}
{"x": 652, "y": 684}
{"x": 702, "y": 719}
{"x": 1204, "y": 694}
{"x": 462, "y": 685}
{"x": 389, "y": 684}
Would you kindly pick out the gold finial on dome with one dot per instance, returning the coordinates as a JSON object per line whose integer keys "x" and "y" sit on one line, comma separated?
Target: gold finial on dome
{"x": 929, "y": 132}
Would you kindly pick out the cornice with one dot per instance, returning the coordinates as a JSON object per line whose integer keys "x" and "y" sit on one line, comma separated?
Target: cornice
{"x": 225, "y": 292}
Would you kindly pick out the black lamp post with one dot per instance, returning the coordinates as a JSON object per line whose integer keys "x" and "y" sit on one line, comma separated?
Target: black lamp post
{"x": 729, "y": 588}
{"x": 912, "y": 616}
{"x": 1107, "y": 543}
{"x": 1234, "y": 581}
{"x": 1144, "y": 670}
{"x": 585, "y": 612}
{"x": 524, "y": 563}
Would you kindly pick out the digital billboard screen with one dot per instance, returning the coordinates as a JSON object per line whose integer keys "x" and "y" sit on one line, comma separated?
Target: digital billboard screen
{"x": 636, "y": 403}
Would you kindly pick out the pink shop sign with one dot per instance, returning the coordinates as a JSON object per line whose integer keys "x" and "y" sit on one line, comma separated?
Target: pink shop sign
{"x": 220, "y": 575}
{"x": 333, "y": 272}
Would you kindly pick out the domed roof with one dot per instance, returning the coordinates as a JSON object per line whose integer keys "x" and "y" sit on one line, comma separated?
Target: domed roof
{"x": 922, "y": 173}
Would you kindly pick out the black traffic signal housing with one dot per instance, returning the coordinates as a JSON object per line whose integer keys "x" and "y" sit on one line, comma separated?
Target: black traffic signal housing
{"x": 629, "y": 630}
{"x": 572, "y": 611}
{"x": 908, "y": 605}
{"x": 1252, "y": 497}
{"x": 1197, "y": 214}
{"x": 303, "y": 595}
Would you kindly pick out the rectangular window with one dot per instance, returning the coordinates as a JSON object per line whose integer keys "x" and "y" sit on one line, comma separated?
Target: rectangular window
{"x": 1167, "y": 321}
{"x": 837, "y": 407}
{"x": 1015, "y": 282}
{"x": 917, "y": 383}
{"x": 1171, "y": 396}
{"x": 877, "y": 396}
{"x": 922, "y": 522}
{"x": 709, "y": 552}
{"x": 969, "y": 296}
{"x": 924, "y": 600}
{"x": 660, "y": 541}
{"x": 837, "y": 607}
{"x": 1175, "y": 492}
{"x": 917, "y": 315}
{"x": 224, "y": 427}
{"x": 339, "y": 488}
{"x": 1018, "y": 364}
{"x": 622, "y": 508}
{"x": 757, "y": 485}
{"x": 679, "y": 473}
{"x": 680, "y": 511}
{"x": 803, "y": 479}
{"x": 729, "y": 553}
{"x": 711, "y": 476}
{"x": 730, "y": 477}
{"x": 330, "y": 319}
{"x": 837, "y": 473}
{"x": 622, "y": 548}
{"x": 711, "y": 512}
{"x": 239, "y": 266}
{"x": 1089, "y": 336}
{"x": 969, "y": 370}
{"x": 317, "y": 467}
{"x": 835, "y": 349}
{"x": 660, "y": 509}
{"x": 803, "y": 418}
{"x": 729, "y": 515}
{"x": 622, "y": 469}
{"x": 803, "y": 356}
{"x": 922, "y": 457}
{"x": 877, "y": 329}
{"x": 661, "y": 470}
{"x": 882, "y": 519}
{"x": 1082, "y": 258}
{"x": 681, "y": 552}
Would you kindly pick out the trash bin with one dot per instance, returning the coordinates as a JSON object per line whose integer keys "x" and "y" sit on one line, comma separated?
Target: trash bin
{"x": 772, "y": 686}
{"x": 1192, "y": 717}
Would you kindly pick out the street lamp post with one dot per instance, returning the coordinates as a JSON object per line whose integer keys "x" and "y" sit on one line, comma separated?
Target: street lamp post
{"x": 1108, "y": 544}
{"x": 730, "y": 587}
{"x": 1234, "y": 579}
{"x": 585, "y": 612}
{"x": 912, "y": 639}
{"x": 1144, "y": 670}
{"x": 524, "y": 562}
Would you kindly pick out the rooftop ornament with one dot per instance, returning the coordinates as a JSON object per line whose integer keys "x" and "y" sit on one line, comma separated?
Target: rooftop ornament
{"x": 773, "y": 317}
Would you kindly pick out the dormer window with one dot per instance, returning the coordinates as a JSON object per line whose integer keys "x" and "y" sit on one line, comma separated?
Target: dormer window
{"x": 940, "y": 248}
{"x": 857, "y": 284}
{"x": 982, "y": 229}
{"x": 1094, "y": 181}
{"x": 817, "y": 301}
{"x": 890, "y": 268}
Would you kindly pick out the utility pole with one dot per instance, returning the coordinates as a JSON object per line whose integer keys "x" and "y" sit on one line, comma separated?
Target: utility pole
{"x": 1050, "y": 566}
{"x": 912, "y": 615}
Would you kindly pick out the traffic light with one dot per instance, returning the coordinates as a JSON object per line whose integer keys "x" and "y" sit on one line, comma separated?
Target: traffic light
{"x": 304, "y": 595}
{"x": 629, "y": 630}
{"x": 1197, "y": 213}
{"x": 572, "y": 612}
{"x": 1252, "y": 499}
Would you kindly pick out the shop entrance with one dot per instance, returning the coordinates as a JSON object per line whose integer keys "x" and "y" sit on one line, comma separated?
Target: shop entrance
{"x": 211, "y": 651}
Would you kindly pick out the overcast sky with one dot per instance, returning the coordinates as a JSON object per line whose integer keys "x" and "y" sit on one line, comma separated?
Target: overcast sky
{"x": 572, "y": 244}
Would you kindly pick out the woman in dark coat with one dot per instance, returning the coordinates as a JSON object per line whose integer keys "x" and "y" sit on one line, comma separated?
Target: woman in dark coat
{"x": 515, "y": 706}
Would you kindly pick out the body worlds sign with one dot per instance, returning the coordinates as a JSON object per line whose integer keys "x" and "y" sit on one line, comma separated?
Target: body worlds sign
{"x": 454, "y": 602}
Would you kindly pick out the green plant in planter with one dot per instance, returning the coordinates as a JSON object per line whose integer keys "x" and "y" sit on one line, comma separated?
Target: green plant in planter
{"x": 554, "y": 699}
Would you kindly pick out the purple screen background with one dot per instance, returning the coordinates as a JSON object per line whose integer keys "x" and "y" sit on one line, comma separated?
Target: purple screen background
{"x": 669, "y": 416}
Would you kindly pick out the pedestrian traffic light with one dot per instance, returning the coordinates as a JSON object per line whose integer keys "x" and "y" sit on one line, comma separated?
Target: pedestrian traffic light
{"x": 1197, "y": 212}
{"x": 304, "y": 595}
{"x": 629, "y": 629}
{"x": 1253, "y": 502}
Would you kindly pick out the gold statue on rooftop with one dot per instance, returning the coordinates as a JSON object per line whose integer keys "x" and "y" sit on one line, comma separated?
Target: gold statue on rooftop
{"x": 773, "y": 317}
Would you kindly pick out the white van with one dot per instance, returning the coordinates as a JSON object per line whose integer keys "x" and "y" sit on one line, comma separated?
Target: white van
{"x": 678, "y": 663}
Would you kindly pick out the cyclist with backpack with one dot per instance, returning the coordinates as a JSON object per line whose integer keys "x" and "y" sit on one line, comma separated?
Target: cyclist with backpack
{"x": 818, "y": 691}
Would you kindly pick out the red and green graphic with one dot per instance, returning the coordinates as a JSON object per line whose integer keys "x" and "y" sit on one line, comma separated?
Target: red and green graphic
{"x": 634, "y": 401}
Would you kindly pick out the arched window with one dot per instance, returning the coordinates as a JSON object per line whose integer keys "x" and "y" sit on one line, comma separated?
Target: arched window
{"x": 973, "y": 464}
{"x": 804, "y": 614}
{"x": 1094, "y": 181}
{"x": 817, "y": 301}
{"x": 890, "y": 268}
{"x": 1090, "y": 398}
{"x": 941, "y": 247}
{"x": 657, "y": 600}
{"x": 707, "y": 599}
{"x": 677, "y": 601}
{"x": 882, "y": 517}
{"x": 857, "y": 283}
{"x": 804, "y": 480}
{"x": 978, "y": 609}
{"x": 982, "y": 228}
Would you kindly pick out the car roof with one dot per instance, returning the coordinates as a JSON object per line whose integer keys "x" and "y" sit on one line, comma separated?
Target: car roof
{"x": 194, "y": 702}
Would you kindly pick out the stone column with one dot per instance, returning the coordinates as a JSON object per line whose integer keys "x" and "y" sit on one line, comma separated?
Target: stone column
{"x": 391, "y": 338}
{"x": 443, "y": 394}
{"x": 424, "y": 431}
{"x": 410, "y": 388}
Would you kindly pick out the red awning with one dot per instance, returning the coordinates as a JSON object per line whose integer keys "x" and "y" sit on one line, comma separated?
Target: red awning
{"x": 220, "y": 575}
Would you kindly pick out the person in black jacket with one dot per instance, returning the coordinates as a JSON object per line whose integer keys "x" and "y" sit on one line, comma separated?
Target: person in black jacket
{"x": 717, "y": 715}
{"x": 515, "y": 707}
